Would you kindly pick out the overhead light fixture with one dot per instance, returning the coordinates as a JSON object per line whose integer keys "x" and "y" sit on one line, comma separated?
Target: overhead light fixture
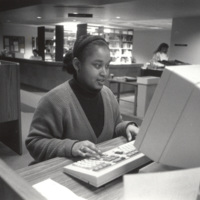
{"x": 155, "y": 27}
{"x": 38, "y": 17}
{"x": 86, "y": 15}
{"x": 118, "y": 17}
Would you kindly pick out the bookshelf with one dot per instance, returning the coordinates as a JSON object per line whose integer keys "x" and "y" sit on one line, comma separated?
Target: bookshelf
{"x": 120, "y": 42}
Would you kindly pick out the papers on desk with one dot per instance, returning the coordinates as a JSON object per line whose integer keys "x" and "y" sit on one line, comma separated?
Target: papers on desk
{"x": 52, "y": 190}
{"x": 173, "y": 185}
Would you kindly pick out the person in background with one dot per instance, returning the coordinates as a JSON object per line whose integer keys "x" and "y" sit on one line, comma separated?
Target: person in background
{"x": 82, "y": 112}
{"x": 35, "y": 55}
{"x": 159, "y": 55}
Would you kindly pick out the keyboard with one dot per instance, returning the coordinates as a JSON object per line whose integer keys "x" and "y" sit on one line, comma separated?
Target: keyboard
{"x": 112, "y": 164}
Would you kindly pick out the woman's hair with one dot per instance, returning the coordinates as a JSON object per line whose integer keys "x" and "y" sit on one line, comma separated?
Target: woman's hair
{"x": 161, "y": 46}
{"x": 81, "y": 50}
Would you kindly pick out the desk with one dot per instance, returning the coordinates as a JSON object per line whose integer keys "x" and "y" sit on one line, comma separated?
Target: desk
{"x": 53, "y": 169}
{"x": 157, "y": 167}
{"x": 152, "y": 72}
{"x": 119, "y": 82}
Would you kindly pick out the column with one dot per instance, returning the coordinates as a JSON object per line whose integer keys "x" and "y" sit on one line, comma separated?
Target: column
{"x": 41, "y": 41}
{"x": 146, "y": 88}
{"x": 59, "y": 43}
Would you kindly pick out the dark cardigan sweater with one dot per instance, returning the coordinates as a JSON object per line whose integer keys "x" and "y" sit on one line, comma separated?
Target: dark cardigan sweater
{"x": 59, "y": 121}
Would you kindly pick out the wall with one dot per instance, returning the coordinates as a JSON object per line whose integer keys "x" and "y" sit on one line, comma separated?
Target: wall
{"x": 19, "y": 30}
{"x": 186, "y": 31}
{"x": 147, "y": 41}
{"x": 27, "y": 31}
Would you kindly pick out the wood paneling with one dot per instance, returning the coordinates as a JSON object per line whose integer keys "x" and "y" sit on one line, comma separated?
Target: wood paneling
{"x": 8, "y": 88}
{"x": 10, "y": 117}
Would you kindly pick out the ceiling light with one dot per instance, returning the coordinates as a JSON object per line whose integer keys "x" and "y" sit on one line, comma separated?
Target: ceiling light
{"x": 75, "y": 13}
{"x": 38, "y": 17}
{"x": 118, "y": 17}
{"x": 155, "y": 27}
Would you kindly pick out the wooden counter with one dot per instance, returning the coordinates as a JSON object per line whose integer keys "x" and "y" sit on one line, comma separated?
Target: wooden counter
{"x": 47, "y": 75}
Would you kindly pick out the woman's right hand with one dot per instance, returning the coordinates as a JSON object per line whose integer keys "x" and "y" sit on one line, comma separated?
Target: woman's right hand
{"x": 86, "y": 148}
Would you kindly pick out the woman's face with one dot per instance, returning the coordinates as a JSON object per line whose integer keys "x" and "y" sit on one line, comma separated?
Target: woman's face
{"x": 164, "y": 49}
{"x": 94, "y": 70}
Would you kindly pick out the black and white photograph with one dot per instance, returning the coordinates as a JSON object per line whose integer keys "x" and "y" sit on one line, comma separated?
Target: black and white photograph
{"x": 100, "y": 100}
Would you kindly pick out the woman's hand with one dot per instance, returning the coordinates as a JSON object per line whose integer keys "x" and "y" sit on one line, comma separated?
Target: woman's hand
{"x": 131, "y": 131}
{"x": 86, "y": 148}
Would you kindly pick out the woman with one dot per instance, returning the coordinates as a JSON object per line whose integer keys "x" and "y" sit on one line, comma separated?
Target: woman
{"x": 76, "y": 115}
{"x": 161, "y": 53}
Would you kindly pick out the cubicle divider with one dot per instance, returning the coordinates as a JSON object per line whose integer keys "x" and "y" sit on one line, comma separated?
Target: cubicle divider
{"x": 10, "y": 115}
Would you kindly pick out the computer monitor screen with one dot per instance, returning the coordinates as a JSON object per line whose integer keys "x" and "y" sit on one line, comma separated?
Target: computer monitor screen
{"x": 170, "y": 131}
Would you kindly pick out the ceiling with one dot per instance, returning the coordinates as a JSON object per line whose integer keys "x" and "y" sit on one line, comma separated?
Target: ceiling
{"x": 137, "y": 14}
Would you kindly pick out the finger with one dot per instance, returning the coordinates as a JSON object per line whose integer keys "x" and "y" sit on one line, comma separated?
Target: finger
{"x": 81, "y": 153}
{"x": 129, "y": 136}
{"x": 88, "y": 150}
{"x": 94, "y": 148}
{"x": 92, "y": 152}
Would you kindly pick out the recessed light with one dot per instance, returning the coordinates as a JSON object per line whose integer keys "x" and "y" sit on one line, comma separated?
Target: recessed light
{"x": 38, "y": 17}
{"x": 118, "y": 17}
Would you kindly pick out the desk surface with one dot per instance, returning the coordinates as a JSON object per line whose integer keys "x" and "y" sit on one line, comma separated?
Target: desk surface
{"x": 53, "y": 169}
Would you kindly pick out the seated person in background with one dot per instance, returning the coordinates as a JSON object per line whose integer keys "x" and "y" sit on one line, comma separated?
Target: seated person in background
{"x": 48, "y": 55}
{"x": 159, "y": 55}
{"x": 35, "y": 55}
{"x": 81, "y": 112}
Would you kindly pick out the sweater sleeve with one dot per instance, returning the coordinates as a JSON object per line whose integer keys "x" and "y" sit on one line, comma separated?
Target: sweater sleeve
{"x": 45, "y": 136}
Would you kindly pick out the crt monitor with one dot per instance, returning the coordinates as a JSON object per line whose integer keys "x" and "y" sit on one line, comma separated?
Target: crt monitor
{"x": 170, "y": 131}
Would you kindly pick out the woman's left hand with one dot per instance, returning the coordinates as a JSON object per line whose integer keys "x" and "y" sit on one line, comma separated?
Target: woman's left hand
{"x": 131, "y": 131}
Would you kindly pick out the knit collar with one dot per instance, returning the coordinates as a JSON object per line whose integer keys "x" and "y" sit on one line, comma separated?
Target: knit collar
{"x": 77, "y": 87}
